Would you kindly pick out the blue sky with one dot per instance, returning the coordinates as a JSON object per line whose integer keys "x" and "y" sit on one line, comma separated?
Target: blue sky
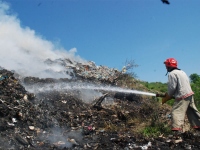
{"x": 109, "y": 32}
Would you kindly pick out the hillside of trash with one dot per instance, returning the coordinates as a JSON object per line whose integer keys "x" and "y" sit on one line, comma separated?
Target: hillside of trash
{"x": 46, "y": 113}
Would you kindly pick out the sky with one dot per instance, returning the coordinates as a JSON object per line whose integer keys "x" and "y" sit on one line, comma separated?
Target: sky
{"x": 107, "y": 32}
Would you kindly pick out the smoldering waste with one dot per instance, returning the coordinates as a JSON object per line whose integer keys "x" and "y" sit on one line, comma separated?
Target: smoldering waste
{"x": 53, "y": 119}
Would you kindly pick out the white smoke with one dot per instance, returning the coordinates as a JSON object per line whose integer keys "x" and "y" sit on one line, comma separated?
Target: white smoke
{"x": 88, "y": 95}
{"x": 22, "y": 50}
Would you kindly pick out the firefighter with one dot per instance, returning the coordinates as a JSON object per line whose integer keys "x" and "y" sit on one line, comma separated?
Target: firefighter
{"x": 179, "y": 88}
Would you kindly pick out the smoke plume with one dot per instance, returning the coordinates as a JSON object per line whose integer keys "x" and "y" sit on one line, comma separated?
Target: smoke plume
{"x": 25, "y": 52}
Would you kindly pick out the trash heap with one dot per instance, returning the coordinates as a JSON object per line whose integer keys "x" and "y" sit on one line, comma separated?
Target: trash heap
{"x": 101, "y": 73}
{"x": 62, "y": 120}
{"x": 87, "y": 70}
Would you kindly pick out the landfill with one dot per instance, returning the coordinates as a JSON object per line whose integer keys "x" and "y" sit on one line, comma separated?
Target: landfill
{"x": 55, "y": 119}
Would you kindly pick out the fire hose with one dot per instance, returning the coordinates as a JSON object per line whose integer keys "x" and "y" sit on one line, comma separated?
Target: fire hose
{"x": 165, "y": 97}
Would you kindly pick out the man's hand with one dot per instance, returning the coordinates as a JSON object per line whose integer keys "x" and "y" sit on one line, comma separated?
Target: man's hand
{"x": 166, "y": 98}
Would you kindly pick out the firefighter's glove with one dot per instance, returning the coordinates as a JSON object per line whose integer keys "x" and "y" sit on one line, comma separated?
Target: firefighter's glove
{"x": 166, "y": 98}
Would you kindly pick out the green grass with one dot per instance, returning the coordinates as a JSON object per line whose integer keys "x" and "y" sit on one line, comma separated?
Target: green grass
{"x": 156, "y": 86}
{"x": 156, "y": 130}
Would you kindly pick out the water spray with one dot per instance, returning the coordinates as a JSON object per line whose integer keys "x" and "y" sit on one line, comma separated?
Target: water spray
{"x": 83, "y": 86}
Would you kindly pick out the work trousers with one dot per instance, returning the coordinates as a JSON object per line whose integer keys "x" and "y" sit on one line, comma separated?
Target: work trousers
{"x": 182, "y": 107}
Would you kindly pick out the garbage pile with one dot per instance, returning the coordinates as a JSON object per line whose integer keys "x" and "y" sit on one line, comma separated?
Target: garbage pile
{"x": 87, "y": 70}
{"x": 62, "y": 120}
{"x": 101, "y": 73}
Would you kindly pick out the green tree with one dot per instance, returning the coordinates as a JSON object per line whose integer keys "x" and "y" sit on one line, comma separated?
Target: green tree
{"x": 194, "y": 78}
{"x": 195, "y": 85}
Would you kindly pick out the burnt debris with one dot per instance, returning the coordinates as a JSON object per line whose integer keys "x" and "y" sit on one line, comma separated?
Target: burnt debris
{"x": 62, "y": 119}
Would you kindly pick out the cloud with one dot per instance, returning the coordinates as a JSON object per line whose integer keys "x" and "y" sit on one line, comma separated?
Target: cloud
{"x": 22, "y": 50}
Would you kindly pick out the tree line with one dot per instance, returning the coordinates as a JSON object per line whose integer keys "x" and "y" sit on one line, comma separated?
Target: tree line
{"x": 195, "y": 84}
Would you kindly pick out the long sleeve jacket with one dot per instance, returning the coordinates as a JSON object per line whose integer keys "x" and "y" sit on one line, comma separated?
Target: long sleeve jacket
{"x": 179, "y": 84}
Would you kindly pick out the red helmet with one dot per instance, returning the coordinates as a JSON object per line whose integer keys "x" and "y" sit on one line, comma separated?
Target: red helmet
{"x": 171, "y": 62}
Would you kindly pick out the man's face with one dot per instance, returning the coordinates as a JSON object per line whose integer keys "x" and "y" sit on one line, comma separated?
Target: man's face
{"x": 169, "y": 68}
{"x": 166, "y": 67}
